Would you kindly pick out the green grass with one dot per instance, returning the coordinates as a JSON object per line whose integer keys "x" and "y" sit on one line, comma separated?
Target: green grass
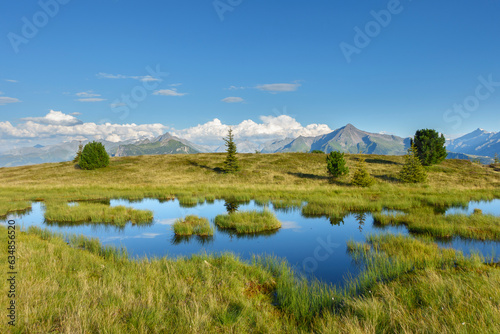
{"x": 193, "y": 225}
{"x": 96, "y": 213}
{"x": 406, "y": 285}
{"x": 248, "y": 221}
{"x": 474, "y": 226}
{"x": 288, "y": 177}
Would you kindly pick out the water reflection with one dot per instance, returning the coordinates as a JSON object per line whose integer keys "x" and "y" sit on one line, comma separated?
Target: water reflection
{"x": 186, "y": 239}
{"x": 231, "y": 233}
{"x": 315, "y": 244}
{"x": 231, "y": 205}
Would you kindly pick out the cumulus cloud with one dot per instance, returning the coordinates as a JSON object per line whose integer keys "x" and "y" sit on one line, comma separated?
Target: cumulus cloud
{"x": 143, "y": 78}
{"x": 168, "y": 92}
{"x": 271, "y": 127}
{"x": 279, "y": 87}
{"x": 57, "y": 126}
{"x": 232, "y": 99}
{"x": 64, "y": 126}
{"x": 54, "y": 118}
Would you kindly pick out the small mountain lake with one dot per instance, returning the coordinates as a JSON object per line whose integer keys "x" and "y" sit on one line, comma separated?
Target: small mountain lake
{"x": 315, "y": 246}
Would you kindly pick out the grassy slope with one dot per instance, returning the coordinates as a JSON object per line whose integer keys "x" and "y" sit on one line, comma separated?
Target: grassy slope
{"x": 269, "y": 176}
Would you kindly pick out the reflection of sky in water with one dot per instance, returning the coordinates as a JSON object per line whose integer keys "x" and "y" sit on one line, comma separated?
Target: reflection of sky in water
{"x": 311, "y": 245}
{"x": 490, "y": 208}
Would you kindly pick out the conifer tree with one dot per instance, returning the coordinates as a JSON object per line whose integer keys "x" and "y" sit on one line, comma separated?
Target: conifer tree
{"x": 231, "y": 163}
{"x": 412, "y": 171}
{"x": 336, "y": 165}
{"x": 430, "y": 147}
{"x": 361, "y": 176}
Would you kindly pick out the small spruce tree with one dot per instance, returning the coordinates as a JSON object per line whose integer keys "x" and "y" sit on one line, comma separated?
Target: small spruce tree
{"x": 412, "y": 171}
{"x": 496, "y": 159}
{"x": 336, "y": 165}
{"x": 78, "y": 153}
{"x": 93, "y": 156}
{"x": 231, "y": 163}
{"x": 361, "y": 176}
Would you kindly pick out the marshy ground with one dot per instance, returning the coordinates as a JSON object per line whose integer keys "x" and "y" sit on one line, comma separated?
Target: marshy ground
{"x": 408, "y": 284}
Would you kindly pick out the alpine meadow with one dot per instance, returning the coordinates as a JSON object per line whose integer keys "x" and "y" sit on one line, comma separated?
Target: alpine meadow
{"x": 250, "y": 167}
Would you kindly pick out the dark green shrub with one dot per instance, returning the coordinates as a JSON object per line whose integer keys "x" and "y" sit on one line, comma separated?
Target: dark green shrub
{"x": 317, "y": 151}
{"x": 78, "y": 153}
{"x": 93, "y": 156}
{"x": 336, "y": 165}
{"x": 430, "y": 147}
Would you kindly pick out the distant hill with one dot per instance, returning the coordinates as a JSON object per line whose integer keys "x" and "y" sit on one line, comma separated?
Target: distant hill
{"x": 478, "y": 142}
{"x": 347, "y": 139}
{"x": 164, "y": 144}
{"x": 462, "y": 156}
{"x": 42, "y": 154}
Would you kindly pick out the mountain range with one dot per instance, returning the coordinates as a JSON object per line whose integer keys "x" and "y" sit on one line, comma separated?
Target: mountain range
{"x": 478, "y": 144}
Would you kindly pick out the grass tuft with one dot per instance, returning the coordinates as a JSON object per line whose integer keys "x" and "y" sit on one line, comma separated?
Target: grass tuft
{"x": 96, "y": 213}
{"x": 193, "y": 225}
{"x": 248, "y": 221}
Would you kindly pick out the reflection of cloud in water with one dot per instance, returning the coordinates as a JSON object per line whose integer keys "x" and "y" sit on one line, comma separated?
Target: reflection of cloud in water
{"x": 290, "y": 225}
{"x": 139, "y": 236}
{"x": 169, "y": 221}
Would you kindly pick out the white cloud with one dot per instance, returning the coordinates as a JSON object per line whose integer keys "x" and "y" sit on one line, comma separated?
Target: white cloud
{"x": 117, "y": 104}
{"x": 175, "y": 84}
{"x": 54, "y": 118}
{"x": 6, "y": 100}
{"x": 271, "y": 127}
{"x": 59, "y": 125}
{"x": 121, "y": 76}
{"x": 91, "y": 99}
{"x": 279, "y": 87}
{"x": 232, "y": 99}
{"x": 11, "y": 80}
{"x": 87, "y": 94}
{"x": 236, "y": 88}
{"x": 168, "y": 92}
{"x": 76, "y": 113}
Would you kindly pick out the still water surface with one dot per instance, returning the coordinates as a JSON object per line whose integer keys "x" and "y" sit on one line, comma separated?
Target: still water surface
{"x": 315, "y": 247}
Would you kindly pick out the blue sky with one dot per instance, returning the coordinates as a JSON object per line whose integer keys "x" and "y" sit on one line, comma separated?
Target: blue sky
{"x": 285, "y": 60}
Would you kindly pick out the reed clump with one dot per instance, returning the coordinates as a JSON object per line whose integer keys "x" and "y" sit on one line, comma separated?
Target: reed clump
{"x": 248, "y": 221}
{"x": 192, "y": 225}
